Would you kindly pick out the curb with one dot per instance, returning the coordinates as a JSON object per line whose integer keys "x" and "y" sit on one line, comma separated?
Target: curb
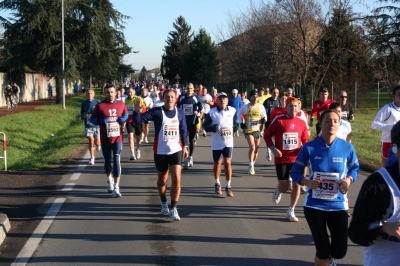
{"x": 5, "y": 226}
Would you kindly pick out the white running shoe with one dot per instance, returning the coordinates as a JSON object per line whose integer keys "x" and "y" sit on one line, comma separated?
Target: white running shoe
{"x": 332, "y": 262}
{"x": 276, "y": 197}
{"x": 91, "y": 161}
{"x": 173, "y": 213}
{"x": 204, "y": 133}
{"x": 269, "y": 156}
{"x": 110, "y": 185}
{"x": 145, "y": 140}
{"x": 98, "y": 148}
{"x": 190, "y": 161}
{"x": 251, "y": 170}
{"x": 116, "y": 193}
{"x": 164, "y": 208}
{"x": 290, "y": 183}
{"x": 138, "y": 153}
{"x": 291, "y": 216}
{"x": 132, "y": 158}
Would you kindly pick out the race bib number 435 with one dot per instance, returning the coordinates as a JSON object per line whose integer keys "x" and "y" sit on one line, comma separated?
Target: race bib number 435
{"x": 328, "y": 188}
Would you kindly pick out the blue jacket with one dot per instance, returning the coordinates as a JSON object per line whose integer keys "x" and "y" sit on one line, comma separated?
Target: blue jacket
{"x": 87, "y": 108}
{"x": 339, "y": 159}
{"x": 235, "y": 102}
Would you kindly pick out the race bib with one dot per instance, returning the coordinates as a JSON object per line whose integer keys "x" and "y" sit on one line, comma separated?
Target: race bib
{"x": 171, "y": 132}
{"x": 253, "y": 124}
{"x": 113, "y": 129}
{"x": 130, "y": 109}
{"x": 290, "y": 141}
{"x": 328, "y": 188}
{"x": 188, "y": 109}
{"x": 225, "y": 133}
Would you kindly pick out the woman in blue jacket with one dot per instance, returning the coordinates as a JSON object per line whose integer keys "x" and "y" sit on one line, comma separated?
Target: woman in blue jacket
{"x": 333, "y": 167}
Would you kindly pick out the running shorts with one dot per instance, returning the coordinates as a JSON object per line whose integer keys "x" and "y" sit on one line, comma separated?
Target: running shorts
{"x": 385, "y": 147}
{"x": 255, "y": 134}
{"x": 134, "y": 128}
{"x": 164, "y": 161}
{"x": 225, "y": 153}
{"x": 283, "y": 170}
{"x": 92, "y": 132}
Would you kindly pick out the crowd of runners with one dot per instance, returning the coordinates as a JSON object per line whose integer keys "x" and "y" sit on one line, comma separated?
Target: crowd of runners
{"x": 324, "y": 166}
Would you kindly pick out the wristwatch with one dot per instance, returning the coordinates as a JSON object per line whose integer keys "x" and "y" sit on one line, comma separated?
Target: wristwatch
{"x": 375, "y": 225}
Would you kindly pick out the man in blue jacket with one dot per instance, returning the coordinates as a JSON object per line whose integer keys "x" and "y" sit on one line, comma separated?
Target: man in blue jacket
{"x": 236, "y": 102}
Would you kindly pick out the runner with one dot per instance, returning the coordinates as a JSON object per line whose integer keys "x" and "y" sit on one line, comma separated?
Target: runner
{"x": 221, "y": 121}
{"x": 192, "y": 108}
{"x": 279, "y": 110}
{"x": 244, "y": 100}
{"x": 111, "y": 114}
{"x": 8, "y": 94}
{"x": 206, "y": 100}
{"x": 92, "y": 131}
{"x": 320, "y": 106}
{"x": 16, "y": 91}
{"x": 333, "y": 167}
{"x": 270, "y": 104}
{"x": 376, "y": 216}
{"x": 132, "y": 127}
{"x": 236, "y": 102}
{"x": 347, "y": 109}
{"x": 262, "y": 97}
{"x": 255, "y": 116}
{"x": 384, "y": 121}
{"x": 169, "y": 147}
{"x": 290, "y": 134}
{"x": 149, "y": 104}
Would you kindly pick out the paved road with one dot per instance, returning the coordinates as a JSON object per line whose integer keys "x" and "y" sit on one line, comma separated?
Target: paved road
{"x": 91, "y": 228}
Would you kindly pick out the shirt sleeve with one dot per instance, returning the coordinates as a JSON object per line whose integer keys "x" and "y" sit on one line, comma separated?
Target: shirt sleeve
{"x": 353, "y": 164}
{"x": 271, "y": 131}
{"x": 381, "y": 117}
{"x": 262, "y": 111}
{"x": 182, "y": 128}
{"x": 297, "y": 172}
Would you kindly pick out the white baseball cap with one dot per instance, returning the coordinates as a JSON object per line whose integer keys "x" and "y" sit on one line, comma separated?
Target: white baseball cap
{"x": 235, "y": 91}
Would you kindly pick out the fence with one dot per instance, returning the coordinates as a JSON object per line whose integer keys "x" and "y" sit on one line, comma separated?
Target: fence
{"x": 33, "y": 87}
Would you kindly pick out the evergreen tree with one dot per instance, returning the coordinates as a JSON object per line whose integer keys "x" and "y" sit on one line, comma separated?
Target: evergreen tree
{"x": 177, "y": 46}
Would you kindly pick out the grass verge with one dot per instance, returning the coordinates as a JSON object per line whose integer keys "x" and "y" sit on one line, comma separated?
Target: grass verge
{"x": 30, "y": 144}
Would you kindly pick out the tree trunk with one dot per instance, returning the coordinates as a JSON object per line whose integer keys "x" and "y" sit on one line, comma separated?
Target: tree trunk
{"x": 59, "y": 89}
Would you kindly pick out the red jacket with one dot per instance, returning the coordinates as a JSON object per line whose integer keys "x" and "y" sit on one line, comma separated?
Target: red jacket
{"x": 319, "y": 107}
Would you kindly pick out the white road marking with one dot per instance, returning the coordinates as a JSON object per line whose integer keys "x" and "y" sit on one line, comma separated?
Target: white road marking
{"x": 33, "y": 242}
{"x": 75, "y": 176}
{"x": 68, "y": 187}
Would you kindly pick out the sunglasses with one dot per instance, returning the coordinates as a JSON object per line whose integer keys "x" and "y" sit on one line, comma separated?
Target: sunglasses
{"x": 343, "y": 97}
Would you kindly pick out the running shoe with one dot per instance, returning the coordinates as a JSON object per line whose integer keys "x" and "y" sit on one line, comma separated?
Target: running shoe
{"x": 251, "y": 170}
{"x": 173, "y": 213}
{"x": 228, "y": 191}
{"x": 218, "y": 189}
{"x": 110, "y": 185}
{"x": 164, "y": 208}
{"x": 269, "y": 156}
{"x": 291, "y": 216}
{"x": 132, "y": 158}
{"x": 190, "y": 161}
{"x": 303, "y": 188}
{"x": 276, "y": 197}
{"x": 91, "y": 161}
{"x": 116, "y": 193}
{"x": 138, "y": 153}
{"x": 332, "y": 262}
{"x": 204, "y": 133}
{"x": 290, "y": 183}
{"x": 142, "y": 137}
{"x": 145, "y": 140}
{"x": 186, "y": 163}
{"x": 98, "y": 148}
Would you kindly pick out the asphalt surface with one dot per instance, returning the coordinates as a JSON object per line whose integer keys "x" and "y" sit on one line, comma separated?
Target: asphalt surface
{"x": 92, "y": 228}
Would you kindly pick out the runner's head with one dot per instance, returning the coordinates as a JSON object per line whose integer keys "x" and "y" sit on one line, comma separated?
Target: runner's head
{"x": 169, "y": 97}
{"x": 131, "y": 93}
{"x": 283, "y": 99}
{"x": 396, "y": 96}
{"x": 323, "y": 94}
{"x": 342, "y": 97}
{"x": 204, "y": 90}
{"x": 118, "y": 94}
{"x": 275, "y": 93}
{"x": 262, "y": 91}
{"x": 329, "y": 122}
{"x": 144, "y": 92}
{"x": 190, "y": 89}
{"x": 266, "y": 90}
{"x": 90, "y": 94}
{"x": 222, "y": 100}
{"x": 243, "y": 95}
{"x": 253, "y": 97}
{"x": 292, "y": 106}
{"x": 235, "y": 93}
{"x": 110, "y": 92}
{"x": 337, "y": 107}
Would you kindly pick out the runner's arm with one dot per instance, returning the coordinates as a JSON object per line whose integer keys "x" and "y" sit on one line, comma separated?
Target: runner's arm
{"x": 382, "y": 116}
{"x": 182, "y": 128}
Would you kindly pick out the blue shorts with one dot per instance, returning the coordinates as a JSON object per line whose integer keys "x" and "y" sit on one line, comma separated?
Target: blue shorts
{"x": 225, "y": 152}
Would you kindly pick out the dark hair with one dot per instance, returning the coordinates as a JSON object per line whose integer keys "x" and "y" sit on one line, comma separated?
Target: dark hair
{"x": 395, "y": 134}
{"x": 327, "y": 112}
{"x": 334, "y": 105}
{"x": 169, "y": 90}
{"x": 109, "y": 86}
{"x": 395, "y": 89}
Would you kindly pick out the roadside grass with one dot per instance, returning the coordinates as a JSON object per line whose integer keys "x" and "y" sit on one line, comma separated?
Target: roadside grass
{"x": 30, "y": 144}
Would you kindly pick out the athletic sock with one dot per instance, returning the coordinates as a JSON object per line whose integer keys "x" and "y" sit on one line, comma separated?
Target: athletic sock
{"x": 173, "y": 204}
{"x": 251, "y": 163}
{"x": 163, "y": 199}
{"x": 217, "y": 181}
{"x": 228, "y": 183}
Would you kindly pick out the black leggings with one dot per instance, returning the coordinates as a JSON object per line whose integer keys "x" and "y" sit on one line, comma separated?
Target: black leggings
{"x": 337, "y": 222}
{"x": 192, "y": 133}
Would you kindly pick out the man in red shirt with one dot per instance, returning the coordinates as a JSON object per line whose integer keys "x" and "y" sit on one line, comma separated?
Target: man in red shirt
{"x": 111, "y": 115}
{"x": 319, "y": 106}
{"x": 290, "y": 134}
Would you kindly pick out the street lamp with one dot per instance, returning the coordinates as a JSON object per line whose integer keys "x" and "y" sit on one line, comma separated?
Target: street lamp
{"x": 63, "y": 63}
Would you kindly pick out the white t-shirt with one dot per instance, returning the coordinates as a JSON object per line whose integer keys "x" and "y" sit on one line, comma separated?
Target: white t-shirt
{"x": 204, "y": 99}
{"x": 224, "y": 136}
{"x": 385, "y": 119}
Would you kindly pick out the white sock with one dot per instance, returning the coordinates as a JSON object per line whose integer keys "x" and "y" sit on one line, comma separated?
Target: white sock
{"x": 251, "y": 163}
{"x": 109, "y": 178}
{"x": 116, "y": 185}
{"x": 228, "y": 183}
{"x": 217, "y": 181}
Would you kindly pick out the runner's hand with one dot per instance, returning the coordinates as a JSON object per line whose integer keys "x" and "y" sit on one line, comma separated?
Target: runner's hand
{"x": 103, "y": 120}
{"x": 137, "y": 105}
{"x": 185, "y": 153}
{"x": 392, "y": 228}
{"x": 277, "y": 153}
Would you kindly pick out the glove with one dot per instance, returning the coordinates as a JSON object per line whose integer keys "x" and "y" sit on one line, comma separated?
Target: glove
{"x": 121, "y": 120}
{"x": 103, "y": 120}
{"x": 242, "y": 125}
{"x": 213, "y": 128}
